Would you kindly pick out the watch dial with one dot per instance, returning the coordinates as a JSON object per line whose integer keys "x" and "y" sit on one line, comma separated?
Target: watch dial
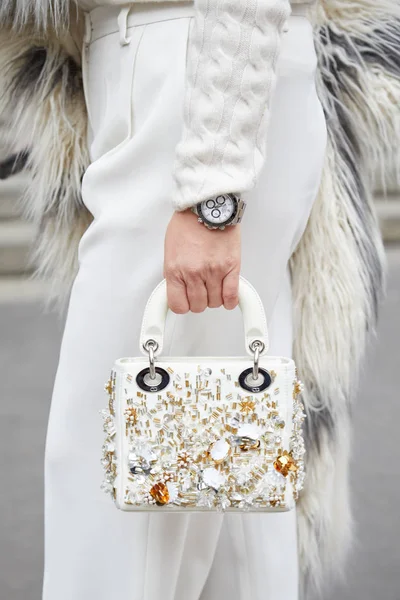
{"x": 218, "y": 210}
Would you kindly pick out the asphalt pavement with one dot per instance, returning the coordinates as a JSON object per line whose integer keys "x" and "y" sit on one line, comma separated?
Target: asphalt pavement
{"x": 29, "y": 345}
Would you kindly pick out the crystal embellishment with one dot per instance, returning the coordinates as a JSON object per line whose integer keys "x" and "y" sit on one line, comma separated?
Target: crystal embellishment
{"x": 203, "y": 442}
{"x": 213, "y": 478}
{"x": 160, "y": 493}
{"x": 285, "y": 463}
{"x": 220, "y": 450}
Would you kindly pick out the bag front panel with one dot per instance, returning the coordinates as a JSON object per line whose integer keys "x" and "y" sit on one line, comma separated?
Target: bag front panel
{"x": 203, "y": 442}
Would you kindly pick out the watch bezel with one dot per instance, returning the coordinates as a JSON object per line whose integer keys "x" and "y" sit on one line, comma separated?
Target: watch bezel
{"x": 200, "y": 213}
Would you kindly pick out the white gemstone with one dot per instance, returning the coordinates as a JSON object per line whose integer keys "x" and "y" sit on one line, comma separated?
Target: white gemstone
{"x": 172, "y": 490}
{"x": 249, "y": 430}
{"x": 213, "y": 478}
{"x": 220, "y": 450}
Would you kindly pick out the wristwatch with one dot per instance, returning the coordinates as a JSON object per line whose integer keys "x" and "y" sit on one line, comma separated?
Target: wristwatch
{"x": 218, "y": 212}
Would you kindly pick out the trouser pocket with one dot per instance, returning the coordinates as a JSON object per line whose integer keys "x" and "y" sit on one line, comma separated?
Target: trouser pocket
{"x": 108, "y": 79}
{"x": 125, "y": 83}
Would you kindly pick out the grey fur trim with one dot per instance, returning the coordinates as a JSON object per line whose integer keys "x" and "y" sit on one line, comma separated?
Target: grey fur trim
{"x": 41, "y": 13}
{"x": 42, "y": 96}
{"x": 338, "y": 269}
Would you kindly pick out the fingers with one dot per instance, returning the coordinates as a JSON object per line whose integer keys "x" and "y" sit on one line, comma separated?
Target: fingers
{"x": 196, "y": 295}
{"x": 177, "y": 297}
{"x": 214, "y": 289}
{"x": 230, "y": 290}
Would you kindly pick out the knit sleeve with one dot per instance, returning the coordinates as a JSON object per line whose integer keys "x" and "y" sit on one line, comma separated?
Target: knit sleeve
{"x": 232, "y": 51}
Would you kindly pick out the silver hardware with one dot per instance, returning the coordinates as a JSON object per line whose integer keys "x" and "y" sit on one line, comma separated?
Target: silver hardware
{"x": 253, "y": 383}
{"x": 240, "y": 207}
{"x": 151, "y": 360}
{"x": 247, "y": 381}
{"x": 152, "y": 381}
{"x": 256, "y": 346}
{"x": 158, "y": 382}
{"x": 255, "y": 365}
{"x": 151, "y": 346}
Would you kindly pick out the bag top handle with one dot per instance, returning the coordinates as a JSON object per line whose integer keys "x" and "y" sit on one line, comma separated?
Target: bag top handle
{"x": 254, "y": 320}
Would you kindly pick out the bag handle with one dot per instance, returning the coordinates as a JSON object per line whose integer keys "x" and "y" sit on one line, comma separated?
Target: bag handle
{"x": 254, "y": 320}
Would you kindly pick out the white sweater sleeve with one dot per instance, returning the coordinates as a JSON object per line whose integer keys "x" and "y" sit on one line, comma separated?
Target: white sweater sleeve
{"x": 232, "y": 51}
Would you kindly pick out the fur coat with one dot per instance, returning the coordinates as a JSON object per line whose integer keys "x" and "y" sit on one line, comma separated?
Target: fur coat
{"x": 338, "y": 267}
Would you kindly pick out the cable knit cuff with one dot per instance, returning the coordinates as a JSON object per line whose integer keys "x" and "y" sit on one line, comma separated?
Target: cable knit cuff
{"x": 232, "y": 52}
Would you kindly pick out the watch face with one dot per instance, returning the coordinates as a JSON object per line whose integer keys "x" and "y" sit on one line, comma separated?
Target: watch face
{"x": 219, "y": 210}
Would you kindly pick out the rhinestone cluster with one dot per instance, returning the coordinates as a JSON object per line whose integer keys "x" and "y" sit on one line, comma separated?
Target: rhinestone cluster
{"x": 109, "y": 458}
{"x": 297, "y": 447}
{"x": 196, "y": 446}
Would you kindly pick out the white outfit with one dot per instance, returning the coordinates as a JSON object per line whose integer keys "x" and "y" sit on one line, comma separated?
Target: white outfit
{"x": 231, "y": 52}
{"x": 135, "y": 96}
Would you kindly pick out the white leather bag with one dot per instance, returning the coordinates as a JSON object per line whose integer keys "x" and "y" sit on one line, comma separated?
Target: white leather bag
{"x": 201, "y": 433}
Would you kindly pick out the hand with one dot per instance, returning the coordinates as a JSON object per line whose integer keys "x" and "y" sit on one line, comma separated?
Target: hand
{"x": 201, "y": 266}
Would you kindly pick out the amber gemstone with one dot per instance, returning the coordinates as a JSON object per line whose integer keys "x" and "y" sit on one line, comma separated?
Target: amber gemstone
{"x": 285, "y": 463}
{"x": 160, "y": 493}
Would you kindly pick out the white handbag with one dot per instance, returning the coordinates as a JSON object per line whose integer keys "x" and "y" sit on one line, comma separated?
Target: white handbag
{"x": 204, "y": 433}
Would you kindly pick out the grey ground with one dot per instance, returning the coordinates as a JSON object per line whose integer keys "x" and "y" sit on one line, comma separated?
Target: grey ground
{"x": 29, "y": 346}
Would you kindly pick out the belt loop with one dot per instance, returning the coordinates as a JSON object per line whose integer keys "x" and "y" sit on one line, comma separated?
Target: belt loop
{"x": 123, "y": 25}
{"x": 88, "y": 29}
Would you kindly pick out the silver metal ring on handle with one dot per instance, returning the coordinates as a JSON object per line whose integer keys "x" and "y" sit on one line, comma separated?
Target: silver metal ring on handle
{"x": 151, "y": 346}
{"x": 256, "y": 346}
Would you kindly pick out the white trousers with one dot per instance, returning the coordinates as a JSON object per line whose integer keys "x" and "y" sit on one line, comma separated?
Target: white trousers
{"x": 134, "y": 93}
